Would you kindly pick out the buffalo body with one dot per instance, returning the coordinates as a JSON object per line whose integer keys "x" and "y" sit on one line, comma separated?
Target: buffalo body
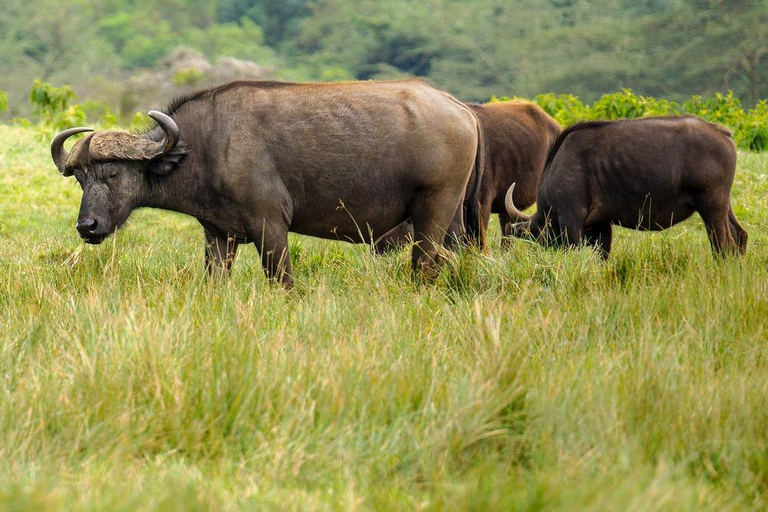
{"x": 517, "y": 136}
{"x": 646, "y": 174}
{"x": 255, "y": 160}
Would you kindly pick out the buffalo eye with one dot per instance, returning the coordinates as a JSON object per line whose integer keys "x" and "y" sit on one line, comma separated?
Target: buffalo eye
{"x": 113, "y": 175}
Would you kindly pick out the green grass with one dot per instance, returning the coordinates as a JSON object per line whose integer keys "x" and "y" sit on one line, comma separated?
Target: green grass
{"x": 524, "y": 379}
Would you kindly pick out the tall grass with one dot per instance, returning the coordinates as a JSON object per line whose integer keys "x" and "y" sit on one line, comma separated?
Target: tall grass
{"x": 522, "y": 379}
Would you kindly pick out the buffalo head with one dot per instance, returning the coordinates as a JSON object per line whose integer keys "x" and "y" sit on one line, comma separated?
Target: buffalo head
{"x": 112, "y": 168}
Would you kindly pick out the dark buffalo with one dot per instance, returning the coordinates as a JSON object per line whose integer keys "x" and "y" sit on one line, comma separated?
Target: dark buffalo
{"x": 517, "y": 136}
{"x": 252, "y": 161}
{"x": 646, "y": 174}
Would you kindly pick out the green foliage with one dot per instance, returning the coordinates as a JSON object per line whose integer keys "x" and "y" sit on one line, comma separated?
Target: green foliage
{"x": 279, "y": 18}
{"x": 49, "y": 100}
{"x": 53, "y": 105}
{"x": 146, "y": 50}
{"x": 244, "y": 40}
{"x": 662, "y": 48}
{"x": 752, "y": 132}
{"x": 566, "y": 109}
{"x": 750, "y": 128}
{"x": 624, "y": 104}
{"x": 187, "y": 77}
{"x": 55, "y": 108}
{"x": 720, "y": 108}
{"x": 3, "y": 101}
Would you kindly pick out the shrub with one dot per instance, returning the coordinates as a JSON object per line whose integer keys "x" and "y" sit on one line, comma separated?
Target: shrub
{"x": 52, "y": 104}
{"x": 3, "y": 101}
{"x": 187, "y": 77}
{"x": 752, "y": 133}
{"x": 566, "y": 109}
{"x": 625, "y": 104}
{"x": 750, "y": 129}
{"x": 721, "y": 108}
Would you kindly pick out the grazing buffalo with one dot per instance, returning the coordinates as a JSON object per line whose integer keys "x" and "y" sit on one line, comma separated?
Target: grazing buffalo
{"x": 646, "y": 174}
{"x": 517, "y": 136}
{"x": 252, "y": 161}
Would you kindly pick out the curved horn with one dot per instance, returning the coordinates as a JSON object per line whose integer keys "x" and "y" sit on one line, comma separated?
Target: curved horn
{"x": 170, "y": 128}
{"x": 58, "y": 152}
{"x": 512, "y": 211}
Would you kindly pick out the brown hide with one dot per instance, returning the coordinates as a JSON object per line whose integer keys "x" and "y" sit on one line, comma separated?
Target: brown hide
{"x": 342, "y": 161}
{"x": 646, "y": 174}
{"x": 517, "y": 137}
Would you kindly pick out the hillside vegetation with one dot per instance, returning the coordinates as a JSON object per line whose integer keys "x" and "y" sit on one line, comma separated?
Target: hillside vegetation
{"x": 474, "y": 49}
{"x": 523, "y": 379}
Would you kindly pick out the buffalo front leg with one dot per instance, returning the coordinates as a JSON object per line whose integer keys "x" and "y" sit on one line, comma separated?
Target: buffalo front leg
{"x": 272, "y": 244}
{"x": 220, "y": 253}
{"x": 456, "y": 231}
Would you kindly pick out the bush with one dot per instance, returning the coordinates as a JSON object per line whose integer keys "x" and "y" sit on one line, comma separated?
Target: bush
{"x": 57, "y": 112}
{"x": 750, "y": 129}
{"x": 752, "y": 133}
{"x": 566, "y": 109}
{"x": 625, "y": 104}
{"x": 724, "y": 109}
{"x": 187, "y": 77}
{"x": 52, "y": 104}
{"x": 3, "y": 101}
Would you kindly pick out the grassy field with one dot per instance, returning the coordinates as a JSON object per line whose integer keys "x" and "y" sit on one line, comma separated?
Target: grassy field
{"x": 523, "y": 379}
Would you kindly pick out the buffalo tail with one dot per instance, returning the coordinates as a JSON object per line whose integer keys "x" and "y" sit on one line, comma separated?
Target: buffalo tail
{"x": 474, "y": 219}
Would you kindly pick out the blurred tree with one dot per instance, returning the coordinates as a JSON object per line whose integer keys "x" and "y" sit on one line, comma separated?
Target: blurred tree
{"x": 278, "y": 18}
{"x": 475, "y": 49}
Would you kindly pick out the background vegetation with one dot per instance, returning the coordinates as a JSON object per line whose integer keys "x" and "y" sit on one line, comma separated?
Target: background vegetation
{"x": 663, "y": 48}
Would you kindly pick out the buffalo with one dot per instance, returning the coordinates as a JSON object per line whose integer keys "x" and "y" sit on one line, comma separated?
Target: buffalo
{"x": 253, "y": 160}
{"x": 517, "y": 136}
{"x": 646, "y": 174}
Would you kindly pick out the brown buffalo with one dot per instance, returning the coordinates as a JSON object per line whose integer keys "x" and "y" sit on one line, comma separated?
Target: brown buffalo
{"x": 646, "y": 174}
{"x": 517, "y": 136}
{"x": 252, "y": 161}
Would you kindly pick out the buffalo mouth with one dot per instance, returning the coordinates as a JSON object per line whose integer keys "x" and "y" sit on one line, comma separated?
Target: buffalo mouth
{"x": 95, "y": 240}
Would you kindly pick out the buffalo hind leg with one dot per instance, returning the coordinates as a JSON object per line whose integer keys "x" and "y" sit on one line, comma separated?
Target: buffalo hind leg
{"x": 432, "y": 214}
{"x": 716, "y": 219}
{"x": 738, "y": 233}
{"x": 272, "y": 244}
{"x": 600, "y": 237}
{"x": 219, "y": 253}
{"x": 571, "y": 229}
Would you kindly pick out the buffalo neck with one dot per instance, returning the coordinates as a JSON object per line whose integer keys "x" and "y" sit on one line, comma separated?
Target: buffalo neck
{"x": 180, "y": 191}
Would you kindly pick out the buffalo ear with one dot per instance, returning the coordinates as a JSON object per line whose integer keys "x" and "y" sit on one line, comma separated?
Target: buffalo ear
{"x": 168, "y": 162}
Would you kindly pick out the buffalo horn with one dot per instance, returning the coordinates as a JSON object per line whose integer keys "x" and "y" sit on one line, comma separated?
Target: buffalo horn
{"x": 58, "y": 152}
{"x": 169, "y": 127}
{"x": 510, "y": 205}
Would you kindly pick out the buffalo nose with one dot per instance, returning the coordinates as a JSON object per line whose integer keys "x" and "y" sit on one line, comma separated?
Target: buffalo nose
{"x": 86, "y": 227}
